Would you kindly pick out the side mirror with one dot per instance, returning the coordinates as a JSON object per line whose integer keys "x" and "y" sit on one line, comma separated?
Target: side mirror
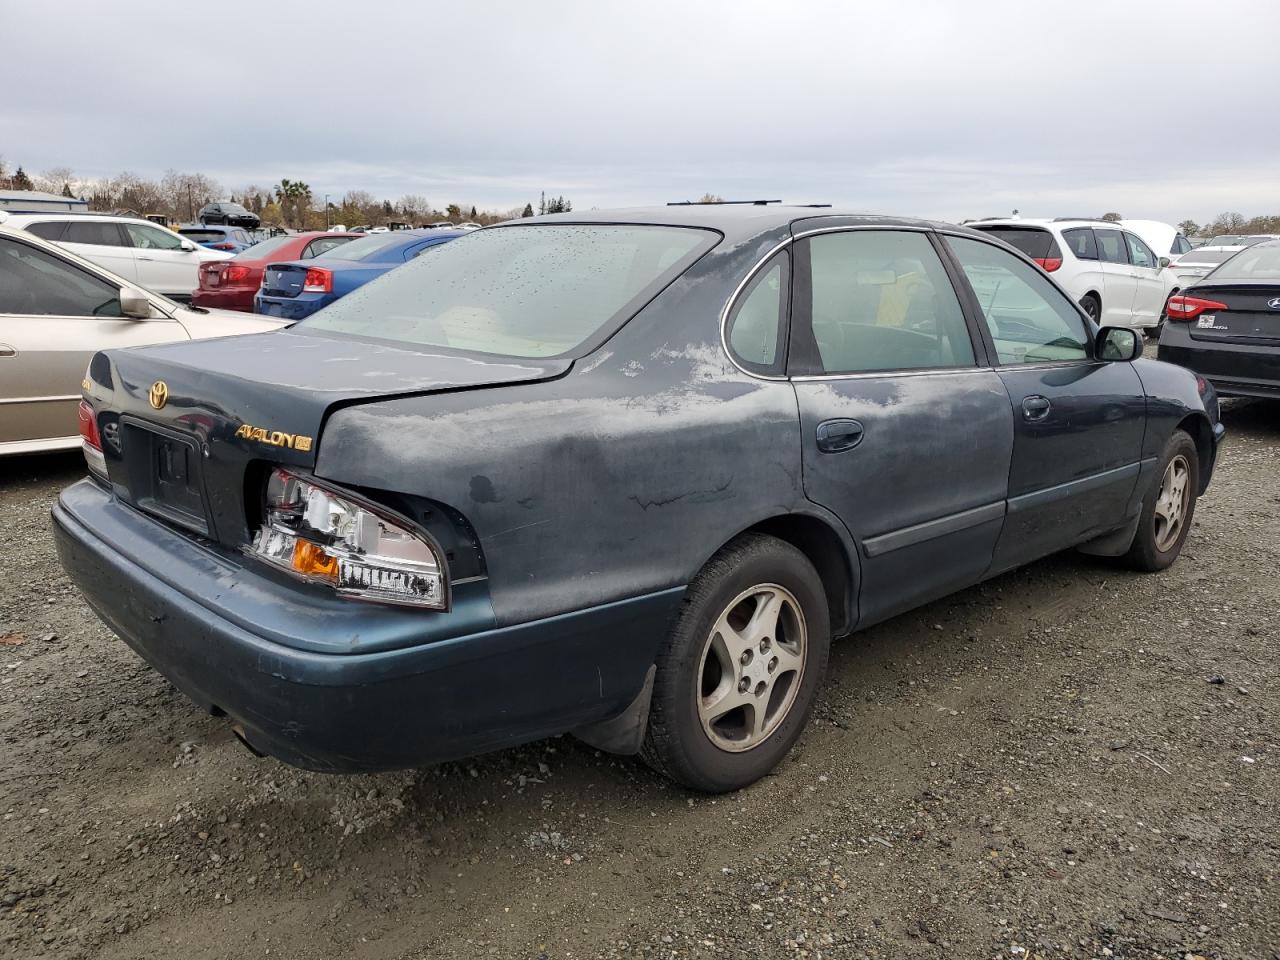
{"x": 187, "y": 245}
{"x": 1164, "y": 262}
{"x": 1117, "y": 343}
{"x": 135, "y": 304}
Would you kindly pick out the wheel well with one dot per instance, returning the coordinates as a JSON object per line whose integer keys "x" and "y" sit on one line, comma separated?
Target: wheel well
{"x": 822, "y": 545}
{"x": 1096, "y": 296}
{"x": 1198, "y": 428}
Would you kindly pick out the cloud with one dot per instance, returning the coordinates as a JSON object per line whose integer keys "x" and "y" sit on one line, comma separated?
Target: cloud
{"x": 924, "y": 107}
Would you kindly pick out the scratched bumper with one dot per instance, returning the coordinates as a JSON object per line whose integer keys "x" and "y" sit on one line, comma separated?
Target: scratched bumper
{"x": 465, "y": 689}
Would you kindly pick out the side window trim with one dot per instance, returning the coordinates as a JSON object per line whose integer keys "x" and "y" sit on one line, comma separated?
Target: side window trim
{"x": 969, "y": 300}
{"x": 778, "y": 369}
{"x": 803, "y": 359}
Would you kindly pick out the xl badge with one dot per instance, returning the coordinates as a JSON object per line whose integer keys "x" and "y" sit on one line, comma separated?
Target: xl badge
{"x": 158, "y": 394}
{"x": 275, "y": 438}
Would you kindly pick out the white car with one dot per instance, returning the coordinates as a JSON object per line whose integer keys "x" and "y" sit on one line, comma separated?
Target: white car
{"x": 137, "y": 250}
{"x": 56, "y": 311}
{"x": 1164, "y": 238}
{"x": 1110, "y": 271}
{"x": 1196, "y": 264}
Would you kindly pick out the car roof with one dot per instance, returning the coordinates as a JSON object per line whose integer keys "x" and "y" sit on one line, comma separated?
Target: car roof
{"x": 20, "y": 219}
{"x": 737, "y": 221}
{"x": 1046, "y": 223}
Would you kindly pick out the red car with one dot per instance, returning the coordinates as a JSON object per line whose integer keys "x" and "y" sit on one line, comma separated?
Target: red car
{"x": 231, "y": 284}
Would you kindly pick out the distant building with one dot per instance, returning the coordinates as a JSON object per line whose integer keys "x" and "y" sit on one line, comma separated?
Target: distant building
{"x": 37, "y": 201}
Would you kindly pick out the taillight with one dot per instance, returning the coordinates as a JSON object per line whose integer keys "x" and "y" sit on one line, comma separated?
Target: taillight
{"x": 89, "y": 426}
{"x": 235, "y": 273}
{"x": 1049, "y": 264}
{"x": 318, "y": 280}
{"x": 1188, "y": 308}
{"x": 224, "y": 246}
{"x": 91, "y": 442}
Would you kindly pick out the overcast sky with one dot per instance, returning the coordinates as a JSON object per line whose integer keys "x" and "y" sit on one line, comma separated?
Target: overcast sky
{"x": 1163, "y": 109}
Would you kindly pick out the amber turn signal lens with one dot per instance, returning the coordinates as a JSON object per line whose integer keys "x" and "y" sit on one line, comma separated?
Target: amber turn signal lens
{"x": 312, "y": 561}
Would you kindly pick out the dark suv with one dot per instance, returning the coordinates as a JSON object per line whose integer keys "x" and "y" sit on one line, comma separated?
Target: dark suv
{"x": 624, "y": 474}
{"x": 232, "y": 214}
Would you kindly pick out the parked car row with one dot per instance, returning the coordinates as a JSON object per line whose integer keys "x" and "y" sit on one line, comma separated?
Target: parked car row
{"x": 57, "y": 309}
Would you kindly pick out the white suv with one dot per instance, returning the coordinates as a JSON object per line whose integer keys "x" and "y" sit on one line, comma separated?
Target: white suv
{"x": 138, "y": 250}
{"x": 1111, "y": 272}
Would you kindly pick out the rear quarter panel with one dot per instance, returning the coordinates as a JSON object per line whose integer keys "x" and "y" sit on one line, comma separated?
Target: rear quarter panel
{"x": 618, "y": 479}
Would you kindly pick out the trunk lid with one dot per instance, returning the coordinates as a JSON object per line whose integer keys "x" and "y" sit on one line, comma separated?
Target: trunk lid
{"x": 189, "y": 430}
{"x": 1249, "y": 317}
{"x": 283, "y": 279}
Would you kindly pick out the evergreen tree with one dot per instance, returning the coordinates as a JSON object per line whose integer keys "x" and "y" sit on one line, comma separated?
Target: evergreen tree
{"x": 66, "y": 191}
{"x": 21, "y": 181}
{"x": 528, "y": 210}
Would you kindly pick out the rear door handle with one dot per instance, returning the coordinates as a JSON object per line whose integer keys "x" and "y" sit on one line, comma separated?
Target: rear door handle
{"x": 1035, "y": 407}
{"x": 837, "y": 435}
{"x": 7, "y": 351}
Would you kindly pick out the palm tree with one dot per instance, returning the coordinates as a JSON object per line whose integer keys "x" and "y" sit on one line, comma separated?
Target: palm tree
{"x": 294, "y": 197}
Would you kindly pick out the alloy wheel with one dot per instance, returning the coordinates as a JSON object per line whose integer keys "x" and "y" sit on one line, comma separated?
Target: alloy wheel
{"x": 1172, "y": 502}
{"x": 751, "y": 667}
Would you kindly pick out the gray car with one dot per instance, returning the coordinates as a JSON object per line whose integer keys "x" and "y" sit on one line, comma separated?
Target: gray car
{"x": 623, "y": 474}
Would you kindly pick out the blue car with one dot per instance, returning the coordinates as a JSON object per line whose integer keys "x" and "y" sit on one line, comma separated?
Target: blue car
{"x": 299, "y": 288}
{"x": 219, "y": 237}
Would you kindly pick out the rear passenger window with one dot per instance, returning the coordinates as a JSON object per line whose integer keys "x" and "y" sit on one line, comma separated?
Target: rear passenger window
{"x": 1081, "y": 243}
{"x": 318, "y": 248}
{"x": 1111, "y": 246}
{"x": 881, "y": 300}
{"x": 48, "y": 231}
{"x": 99, "y": 234}
{"x": 758, "y": 322}
{"x": 1030, "y": 319}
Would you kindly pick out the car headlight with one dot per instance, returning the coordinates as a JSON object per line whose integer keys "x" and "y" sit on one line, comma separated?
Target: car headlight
{"x": 320, "y": 535}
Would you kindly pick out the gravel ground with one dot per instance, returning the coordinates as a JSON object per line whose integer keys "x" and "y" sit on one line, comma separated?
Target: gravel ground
{"x": 1068, "y": 761}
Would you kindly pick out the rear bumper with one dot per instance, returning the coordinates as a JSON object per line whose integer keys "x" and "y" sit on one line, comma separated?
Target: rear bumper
{"x": 232, "y": 299}
{"x": 469, "y": 687}
{"x": 1234, "y": 369}
{"x": 291, "y": 308}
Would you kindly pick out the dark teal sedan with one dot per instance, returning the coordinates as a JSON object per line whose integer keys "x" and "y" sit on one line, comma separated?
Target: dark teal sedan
{"x": 624, "y": 474}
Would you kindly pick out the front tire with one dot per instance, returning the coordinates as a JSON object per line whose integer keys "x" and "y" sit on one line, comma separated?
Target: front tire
{"x": 740, "y": 669}
{"x": 1168, "y": 508}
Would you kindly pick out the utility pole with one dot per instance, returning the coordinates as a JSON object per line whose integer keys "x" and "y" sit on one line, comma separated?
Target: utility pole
{"x": 326, "y": 211}
{"x": 191, "y": 205}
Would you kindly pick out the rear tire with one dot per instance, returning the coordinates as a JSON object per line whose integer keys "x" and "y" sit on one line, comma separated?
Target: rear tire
{"x": 740, "y": 669}
{"x": 1092, "y": 306}
{"x": 1168, "y": 507}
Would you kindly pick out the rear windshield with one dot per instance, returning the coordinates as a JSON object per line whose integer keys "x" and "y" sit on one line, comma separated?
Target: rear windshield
{"x": 362, "y": 249}
{"x": 1036, "y": 244}
{"x": 1252, "y": 263}
{"x": 523, "y": 291}
{"x": 264, "y": 248}
{"x": 204, "y": 236}
{"x": 1208, "y": 256}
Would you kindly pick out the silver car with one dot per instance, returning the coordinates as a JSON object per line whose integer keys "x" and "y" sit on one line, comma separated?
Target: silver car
{"x": 56, "y": 310}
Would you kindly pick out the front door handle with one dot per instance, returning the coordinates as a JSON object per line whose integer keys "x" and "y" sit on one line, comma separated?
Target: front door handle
{"x": 837, "y": 435}
{"x": 7, "y": 351}
{"x": 1035, "y": 407}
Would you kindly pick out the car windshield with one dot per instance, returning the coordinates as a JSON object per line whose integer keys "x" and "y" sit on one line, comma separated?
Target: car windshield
{"x": 264, "y": 248}
{"x": 1226, "y": 240}
{"x": 204, "y": 236}
{"x": 1252, "y": 263}
{"x": 362, "y": 249}
{"x": 537, "y": 290}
